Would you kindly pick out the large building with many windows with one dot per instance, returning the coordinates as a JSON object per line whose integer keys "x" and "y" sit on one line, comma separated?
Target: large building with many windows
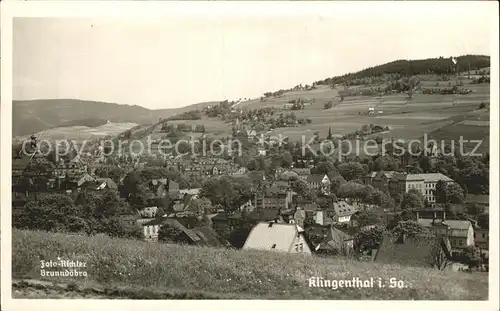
{"x": 399, "y": 183}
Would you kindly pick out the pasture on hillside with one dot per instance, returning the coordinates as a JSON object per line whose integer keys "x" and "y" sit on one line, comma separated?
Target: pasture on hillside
{"x": 119, "y": 268}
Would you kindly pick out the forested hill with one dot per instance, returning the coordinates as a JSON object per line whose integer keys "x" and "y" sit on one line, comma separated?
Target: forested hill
{"x": 438, "y": 66}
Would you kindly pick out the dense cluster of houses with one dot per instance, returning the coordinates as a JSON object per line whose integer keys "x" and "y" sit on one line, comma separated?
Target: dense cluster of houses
{"x": 276, "y": 220}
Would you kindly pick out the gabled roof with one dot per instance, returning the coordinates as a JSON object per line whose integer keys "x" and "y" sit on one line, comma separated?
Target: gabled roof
{"x": 342, "y": 208}
{"x": 452, "y": 224}
{"x": 109, "y": 182}
{"x": 316, "y": 178}
{"x": 413, "y": 251}
{"x": 430, "y": 177}
{"x": 288, "y": 174}
{"x": 263, "y": 214}
{"x": 386, "y": 174}
{"x": 478, "y": 198}
{"x": 178, "y": 206}
{"x": 302, "y": 171}
{"x": 209, "y": 236}
{"x": 265, "y": 235}
{"x": 193, "y": 191}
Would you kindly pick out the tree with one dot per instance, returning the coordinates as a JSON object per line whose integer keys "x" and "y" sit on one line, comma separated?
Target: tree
{"x": 483, "y": 221}
{"x": 472, "y": 256}
{"x": 369, "y": 239}
{"x": 351, "y": 170}
{"x": 302, "y": 189}
{"x": 413, "y": 199}
{"x": 456, "y": 194}
{"x": 170, "y": 233}
{"x": 439, "y": 256}
{"x": 369, "y": 217}
{"x": 425, "y": 164}
{"x": 410, "y": 229}
{"x": 229, "y": 192}
{"x": 329, "y": 137}
{"x": 51, "y": 212}
{"x": 474, "y": 209}
{"x": 440, "y": 192}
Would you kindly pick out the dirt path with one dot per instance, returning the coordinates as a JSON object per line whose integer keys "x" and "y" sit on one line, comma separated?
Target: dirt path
{"x": 26, "y": 289}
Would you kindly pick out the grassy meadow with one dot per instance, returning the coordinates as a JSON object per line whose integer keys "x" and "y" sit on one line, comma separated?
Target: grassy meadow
{"x": 134, "y": 269}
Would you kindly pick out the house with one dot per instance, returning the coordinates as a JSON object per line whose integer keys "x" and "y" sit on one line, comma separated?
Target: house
{"x": 481, "y": 200}
{"x": 329, "y": 240}
{"x": 273, "y": 198}
{"x": 379, "y": 180}
{"x": 289, "y": 175}
{"x": 343, "y": 211}
{"x": 98, "y": 184}
{"x": 200, "y": 236}
{"x": 299, "y": 218}
{"x": 272, "y": 236}
{"x": 247, "y": 207}
{"x": 413, "y": 251}
{"x": 74, "y": 182}
{"x": 425, "y": 183}
{"x": 482, "y": 238}
{"x": 148, "y": 212}
{"x": 193, "y": 192}
{"x": 259, "y": 215}
{"x": 241, "y": 171}
{"x": 302, "y": 172}
{"x": 459, "y": 232}
{"x": 319, "y": 182}
{"x": 107, "y": 183}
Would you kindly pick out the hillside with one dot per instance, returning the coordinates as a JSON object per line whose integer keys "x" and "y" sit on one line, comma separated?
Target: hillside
{"x": 37, "y": 115}
{"x": 33, "y": 116}
{"x": 439, "y": 66}
{"x": 119, "y": 268}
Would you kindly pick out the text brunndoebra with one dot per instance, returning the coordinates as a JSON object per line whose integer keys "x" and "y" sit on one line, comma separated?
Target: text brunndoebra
{"x": 63, "y": 268}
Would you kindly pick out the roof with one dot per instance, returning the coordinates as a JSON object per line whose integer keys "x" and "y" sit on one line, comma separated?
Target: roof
{"x": 413, "y": 252}
{"x": 457, "y": 228}
{"x": 264, "y": 235}
{"x": 342, "y": 208}
{"x": 194, "y": 191}
{"x": 478, "y": 198}
{"x": 302, "y": 171}
{"x": 453, "y": 224}
{"x": 91, "y": 185}
{"x": 109, "y": 182}
{"x": 209, "y": 236}
{"x": 173, "y": 186}
{"x": 318, "y": 178}
{"x": 430, "y": 177}
{"x": 371, "y": 175}
{"x": 288, "y": 174}
{"x": 256, "y": 175}
{"x": 178, "y": 206}
{"x": 20, "y": 163}
{"x": 263, "y": 214}
{"x": 219, "y": 217}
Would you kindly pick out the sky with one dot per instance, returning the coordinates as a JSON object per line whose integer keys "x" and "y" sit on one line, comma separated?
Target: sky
{"x": 168, "y": 63}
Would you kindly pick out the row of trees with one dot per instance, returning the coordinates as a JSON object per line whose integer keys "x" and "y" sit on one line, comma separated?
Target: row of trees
{"x": 182, "y": 127}
{"x": 440, "y": 66}
{"x": 89, "y": 213}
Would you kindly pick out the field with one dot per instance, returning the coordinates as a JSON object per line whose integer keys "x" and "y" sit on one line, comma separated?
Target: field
{"x": 440, "y": 117}
{"x": 408, "y": 119}
{"x": 85, "y": 133}
{"x": 135, "y": 269}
